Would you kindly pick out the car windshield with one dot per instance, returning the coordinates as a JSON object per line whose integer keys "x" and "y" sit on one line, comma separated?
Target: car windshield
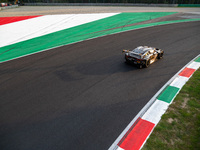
{"x": 140, "y": 50}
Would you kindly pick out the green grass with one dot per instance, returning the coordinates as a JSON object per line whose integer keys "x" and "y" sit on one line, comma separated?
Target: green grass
{"x": 179, "y": 127}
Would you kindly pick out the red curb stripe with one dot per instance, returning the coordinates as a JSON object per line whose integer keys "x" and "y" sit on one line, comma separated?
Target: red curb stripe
{"x": 137, "y": 136}
{"x": 6, "y": 20}
{"x": 127, "y": 133}
{"x": 187, "y": 72}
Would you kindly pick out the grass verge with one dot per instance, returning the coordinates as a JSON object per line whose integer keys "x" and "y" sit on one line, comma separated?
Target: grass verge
{"x": 179, "y": 127}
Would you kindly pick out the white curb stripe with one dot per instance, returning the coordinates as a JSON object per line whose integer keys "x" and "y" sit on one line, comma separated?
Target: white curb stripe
{"x": 179, "y": 81}
{"x": 27, "y": 29}
{"x": 155, "y": 112}
{"x": 194, "y": 65}
{"x": 119, "y": 148}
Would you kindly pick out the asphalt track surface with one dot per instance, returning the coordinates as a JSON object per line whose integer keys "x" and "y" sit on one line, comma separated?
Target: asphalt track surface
{"x": 82, "y": 96}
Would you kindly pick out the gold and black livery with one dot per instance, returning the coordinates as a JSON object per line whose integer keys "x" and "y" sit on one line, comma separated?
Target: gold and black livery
{"x": 143, "y": 56}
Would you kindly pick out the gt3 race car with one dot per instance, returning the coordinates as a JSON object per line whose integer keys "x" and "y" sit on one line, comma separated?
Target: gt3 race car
{"x": 143, "y": 56}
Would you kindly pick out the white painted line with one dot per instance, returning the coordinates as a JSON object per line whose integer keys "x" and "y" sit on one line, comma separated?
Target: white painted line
{"x": 154, "y": 113}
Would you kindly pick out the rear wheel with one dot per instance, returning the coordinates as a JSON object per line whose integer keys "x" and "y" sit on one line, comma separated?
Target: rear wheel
{"x": 160, "y": 55}
{"x": 127, "y": 61}
{"x": 147, "y": 63}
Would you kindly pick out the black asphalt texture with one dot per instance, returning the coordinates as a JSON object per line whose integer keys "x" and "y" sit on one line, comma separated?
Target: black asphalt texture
{"x": 82, "y": 96}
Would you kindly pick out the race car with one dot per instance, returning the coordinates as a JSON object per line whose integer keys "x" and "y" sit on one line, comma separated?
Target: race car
{"x": 143, "y": 56}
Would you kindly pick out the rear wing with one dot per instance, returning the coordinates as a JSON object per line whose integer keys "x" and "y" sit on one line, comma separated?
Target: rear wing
{"x": 126, "y": 51}
{"x": 131, "y": 52}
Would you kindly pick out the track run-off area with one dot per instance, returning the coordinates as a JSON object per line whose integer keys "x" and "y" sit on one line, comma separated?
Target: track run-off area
{"x": 75, "y": 91}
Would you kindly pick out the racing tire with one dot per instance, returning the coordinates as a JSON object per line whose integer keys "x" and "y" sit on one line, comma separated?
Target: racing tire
{"x": 160, "y": 55}
{"x": 147, "y": 63}
{"x": 139, "y": 66}
{"x": 127, "y": 61}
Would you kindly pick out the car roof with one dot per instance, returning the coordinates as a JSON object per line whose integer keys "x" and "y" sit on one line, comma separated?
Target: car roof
{"x": 142, "y": 49}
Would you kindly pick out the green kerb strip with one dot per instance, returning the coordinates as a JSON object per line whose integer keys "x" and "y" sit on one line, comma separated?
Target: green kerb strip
{"x": 168, "y": 94}
{"x": 79, "y": 33}
{"x": 106, "y": 26}
{"x": 197, "y": 60}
